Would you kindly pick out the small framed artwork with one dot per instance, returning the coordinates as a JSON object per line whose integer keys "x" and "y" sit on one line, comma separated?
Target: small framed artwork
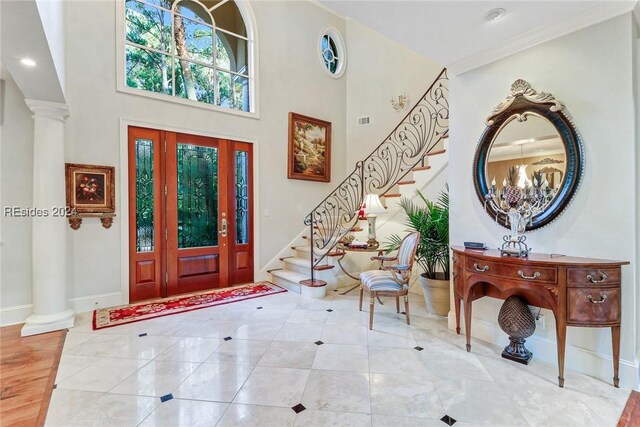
{"x": 90, "y": 188}
{"x": 309, "y": 149}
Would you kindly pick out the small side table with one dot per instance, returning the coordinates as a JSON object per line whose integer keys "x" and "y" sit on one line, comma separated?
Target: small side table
{"x": 342, "y": 251}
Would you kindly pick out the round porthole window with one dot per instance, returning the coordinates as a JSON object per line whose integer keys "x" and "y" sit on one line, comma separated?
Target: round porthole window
{"x": 332, "y": 52}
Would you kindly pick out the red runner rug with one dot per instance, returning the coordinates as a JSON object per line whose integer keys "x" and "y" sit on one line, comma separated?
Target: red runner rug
{"x": 115, "y": 316}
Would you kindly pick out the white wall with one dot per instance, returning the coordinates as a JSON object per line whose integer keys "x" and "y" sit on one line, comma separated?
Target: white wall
{"x": 379, "y": 69}
{"x": 636, "y": 87}
{"x": 16, "y": 155}
{"x": 52, "y": 16}
{"x": 291, "y": 79}
{"x": 591, "y": 72}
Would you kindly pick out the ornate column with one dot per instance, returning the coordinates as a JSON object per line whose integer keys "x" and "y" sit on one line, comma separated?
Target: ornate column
{"x": 49, "y": 256}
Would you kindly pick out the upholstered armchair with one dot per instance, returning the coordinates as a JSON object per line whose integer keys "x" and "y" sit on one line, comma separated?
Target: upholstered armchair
{"x": 391, "y": 280}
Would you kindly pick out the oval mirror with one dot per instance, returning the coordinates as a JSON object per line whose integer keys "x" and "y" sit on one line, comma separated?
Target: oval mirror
{"x": 529, "y": 159}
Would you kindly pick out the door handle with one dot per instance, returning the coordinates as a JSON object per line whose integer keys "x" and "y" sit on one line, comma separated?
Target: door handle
{"x": 223, "y": 227}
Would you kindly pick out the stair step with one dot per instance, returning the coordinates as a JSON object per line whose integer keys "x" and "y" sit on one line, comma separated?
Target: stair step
{"x": 392, "y": 195}
{"x": 313, "y": 283}
{"x": 305, "y": 263}
{"x": 435, "y": 153}
{"x": 421, "y": 168}
{"x": 273, "y": 269}
{"x": 291, "y": 276}
{"x": 304, "y": 248}
{"x": 335, "y": 253}
{"x": 406, "y": 182}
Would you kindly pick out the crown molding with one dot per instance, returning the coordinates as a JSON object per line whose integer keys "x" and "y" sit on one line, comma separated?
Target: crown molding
{"x": 586, "y": 18}
{"x": 328, "y": 9}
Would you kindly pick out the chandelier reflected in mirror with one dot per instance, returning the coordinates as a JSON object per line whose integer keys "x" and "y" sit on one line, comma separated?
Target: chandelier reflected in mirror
{"x": 528, "y": 163}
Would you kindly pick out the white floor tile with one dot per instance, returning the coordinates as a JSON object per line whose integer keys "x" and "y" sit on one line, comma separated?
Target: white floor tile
{"x": 342, "y": 357}
{"x": 103, "y": 375}
{"x": 157, "y": 378}
{"x": 185, "y": 413}
{"x": 113, "y": 377}
{"x": 283, "y": 354}
{"x": 338, "y": 391}
{"x": 214, "y": 382}
{"x": 273, "y": 387}
{"x": 115, "y": 410}
{"x": 238, "y": 415}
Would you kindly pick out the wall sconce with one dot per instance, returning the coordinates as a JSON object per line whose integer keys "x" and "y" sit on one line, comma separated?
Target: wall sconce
{"x": 400, "y": 102}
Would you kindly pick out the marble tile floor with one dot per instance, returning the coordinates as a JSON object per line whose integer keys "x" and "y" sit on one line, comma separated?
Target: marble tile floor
{"x": 294, "y": 351}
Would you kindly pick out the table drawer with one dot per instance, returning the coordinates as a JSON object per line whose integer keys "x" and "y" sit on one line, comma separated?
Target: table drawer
{"x": 516, "y": 272}
{"x": 593, "y": 305}
{"x": 593, "y": 276}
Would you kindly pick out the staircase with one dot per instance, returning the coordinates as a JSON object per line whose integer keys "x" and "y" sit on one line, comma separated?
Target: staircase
{"x": 406, "y": 160}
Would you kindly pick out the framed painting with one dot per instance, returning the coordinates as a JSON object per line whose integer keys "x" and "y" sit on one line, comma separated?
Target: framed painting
{"x": 90, "y": 188}
{"x": 309, "y": 149}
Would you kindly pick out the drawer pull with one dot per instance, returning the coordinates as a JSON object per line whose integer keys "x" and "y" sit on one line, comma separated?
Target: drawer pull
{"x": 603, "y": 298}
{"x": 477, "y": 267}
{"x": 535, "y": 275}
{"x": 603, "y": 277}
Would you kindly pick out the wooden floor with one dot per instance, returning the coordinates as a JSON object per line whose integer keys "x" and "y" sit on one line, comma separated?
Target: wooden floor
{"x": 28, "y": 368}
{"x": 631, "y": 414}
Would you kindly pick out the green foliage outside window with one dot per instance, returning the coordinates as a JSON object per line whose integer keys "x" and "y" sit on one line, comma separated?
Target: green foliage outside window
{"x": 171, "y": 54}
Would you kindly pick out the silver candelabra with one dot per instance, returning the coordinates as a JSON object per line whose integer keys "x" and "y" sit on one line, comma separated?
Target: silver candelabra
{"x": 519, "y": 204}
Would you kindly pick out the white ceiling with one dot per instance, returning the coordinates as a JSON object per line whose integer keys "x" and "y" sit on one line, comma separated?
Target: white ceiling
{"x": 22, "y": 35}
{"x": 456, "y": 35}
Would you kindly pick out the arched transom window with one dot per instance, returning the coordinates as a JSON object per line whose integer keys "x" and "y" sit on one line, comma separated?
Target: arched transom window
{"x": 192, "y": 49}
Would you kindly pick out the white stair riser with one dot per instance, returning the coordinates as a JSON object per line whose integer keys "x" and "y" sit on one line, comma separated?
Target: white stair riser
{"x": 302, "y": 253}
{"x": 287, "y": 284}
{"x": 306, "y": 291}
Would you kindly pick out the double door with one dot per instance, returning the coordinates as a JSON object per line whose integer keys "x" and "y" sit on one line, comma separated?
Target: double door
{"x": 190, "y": 213}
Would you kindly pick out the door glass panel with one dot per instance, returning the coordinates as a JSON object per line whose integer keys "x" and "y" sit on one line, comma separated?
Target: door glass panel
{"x": 242, "y": 197}
{"x": 197, "y": 196}
{"x": 144, "y": 195}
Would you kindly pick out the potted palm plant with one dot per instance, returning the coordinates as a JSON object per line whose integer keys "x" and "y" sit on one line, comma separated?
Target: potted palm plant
{"x": 431, "y": 220}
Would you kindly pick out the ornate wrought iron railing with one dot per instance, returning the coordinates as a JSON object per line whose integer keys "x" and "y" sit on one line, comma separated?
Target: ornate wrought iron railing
{"x": 419, "y": 132}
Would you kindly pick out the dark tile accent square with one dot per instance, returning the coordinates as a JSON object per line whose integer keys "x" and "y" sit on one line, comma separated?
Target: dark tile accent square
{"x": 418, "y": 348}
{"x": 55, "y": 386}
{"x": 329, "y": 310}
{"x": 166, "y": 397}
{"x": 144, "y": 334}
{"x": 298, "y": 408}
{"x": 448, "y": 420}
{"x": 318, "y": 343}
{"x": 259, "y": 308}
{"x": 335, "y": 290}
{"x": 227, "y": 338}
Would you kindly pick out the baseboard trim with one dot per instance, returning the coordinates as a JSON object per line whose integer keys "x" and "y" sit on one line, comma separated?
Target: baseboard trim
{"x": 15, "y": 315}
{"x": 19, "y": 313}
{"x": 576, "y": 359}
{"x": 92, "y": 302}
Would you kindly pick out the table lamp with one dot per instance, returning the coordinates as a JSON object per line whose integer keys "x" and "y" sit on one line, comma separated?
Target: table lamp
{"x": 372, "y": 207}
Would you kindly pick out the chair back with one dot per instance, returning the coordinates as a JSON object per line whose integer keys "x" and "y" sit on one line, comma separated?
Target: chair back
{"x": 407, "y": 250}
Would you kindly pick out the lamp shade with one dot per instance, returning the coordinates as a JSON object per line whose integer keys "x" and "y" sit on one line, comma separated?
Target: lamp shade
{"x": 372, "y": 205}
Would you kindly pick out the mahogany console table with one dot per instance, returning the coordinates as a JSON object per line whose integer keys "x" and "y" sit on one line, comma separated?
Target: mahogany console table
{"x": 580, "y": 291}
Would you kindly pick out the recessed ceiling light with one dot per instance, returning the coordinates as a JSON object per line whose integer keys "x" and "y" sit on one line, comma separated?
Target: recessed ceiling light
{"x": 28, "y": 62}
{"x": 494, "y": 15}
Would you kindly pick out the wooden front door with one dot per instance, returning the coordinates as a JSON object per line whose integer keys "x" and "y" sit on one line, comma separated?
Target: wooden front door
{"x": 190, "y": 213}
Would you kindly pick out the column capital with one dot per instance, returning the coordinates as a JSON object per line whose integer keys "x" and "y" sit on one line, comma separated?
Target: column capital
{"x": 52, "y": 110}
